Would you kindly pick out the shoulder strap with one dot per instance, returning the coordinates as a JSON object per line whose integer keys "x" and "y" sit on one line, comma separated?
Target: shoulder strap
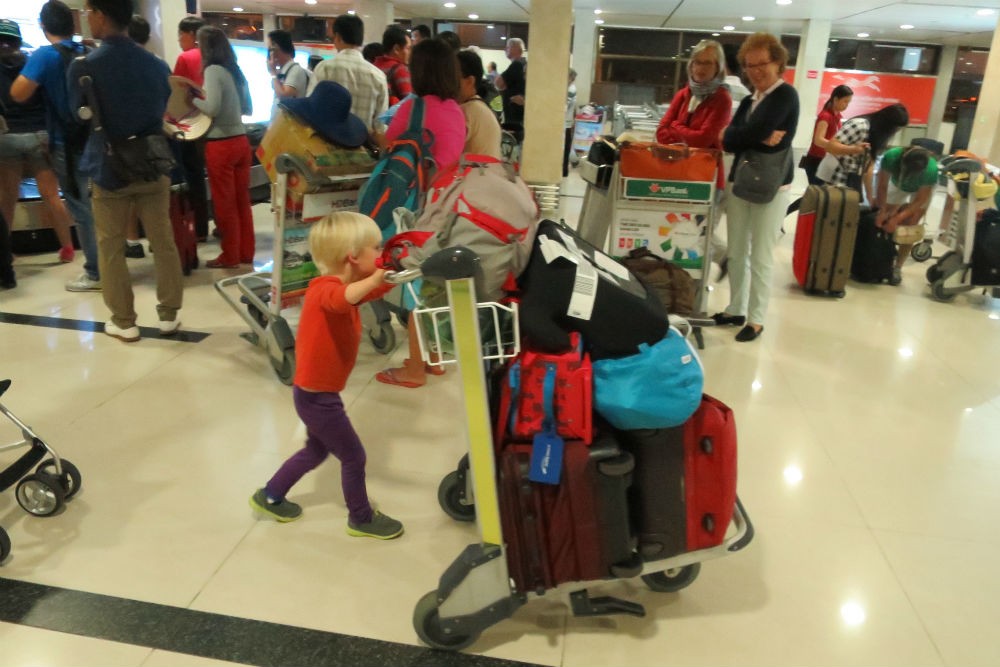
{"x": 416, "y": 123}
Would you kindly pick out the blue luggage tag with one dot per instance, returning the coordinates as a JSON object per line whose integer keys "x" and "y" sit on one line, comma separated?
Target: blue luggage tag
{"x": 547, "y": 446}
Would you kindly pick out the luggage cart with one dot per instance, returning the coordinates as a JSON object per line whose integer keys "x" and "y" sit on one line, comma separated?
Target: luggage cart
{"x": 260, "y": 297}
{"x": 40, "y": 493}
{"x": 476, "y": 591}
{"x": 951, "y": 274}
{"x": 674, "y": 219}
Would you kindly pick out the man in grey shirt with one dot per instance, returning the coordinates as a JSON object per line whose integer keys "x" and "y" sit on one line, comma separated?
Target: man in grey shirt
{"x": 288, "y": 78}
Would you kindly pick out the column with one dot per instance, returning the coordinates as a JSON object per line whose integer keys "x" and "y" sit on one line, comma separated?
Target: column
{"x": 809, "y": 68}
{"x": 377, "y": 14}
{"x": 946, "y": 70}
{"x": 584, "y": 44}
{"x": 545, "y": 98}
{"x": 984, "y": 140}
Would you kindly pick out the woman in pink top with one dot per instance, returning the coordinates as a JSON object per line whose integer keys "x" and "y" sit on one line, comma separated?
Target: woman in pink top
{"x": 434, "y": 74}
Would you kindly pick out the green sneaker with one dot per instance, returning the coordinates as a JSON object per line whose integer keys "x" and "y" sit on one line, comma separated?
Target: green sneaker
{"x": 284, "y": 511}
{"x": 381, "y": 527}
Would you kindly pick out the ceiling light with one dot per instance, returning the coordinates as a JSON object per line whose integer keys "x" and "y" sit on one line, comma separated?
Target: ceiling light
{"x": 729, "y": 27}
{"x": 782, "y": 2}
{"x": 237, "y": 9}
{"x": 310, "y": 2}
{"x": 863, "y": 34}
{"x": 598, "y": 11}
{"x": 489, "y": 27}
{"x": 749, "y": 18}
{"x": 450, "y": 5}
{"x": 599, "y": 21}
{"x": 906, "y": 26}
{"x": 715, "y": 34}
{"x": 473, "y": 16}
{"x": 503, "y": 36}
{"x": 985, "y": 12}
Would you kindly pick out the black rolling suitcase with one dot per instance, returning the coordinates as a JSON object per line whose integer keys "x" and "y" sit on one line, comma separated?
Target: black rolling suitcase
{"x": 874, "y": 251}
{"x": 824, "y": 239}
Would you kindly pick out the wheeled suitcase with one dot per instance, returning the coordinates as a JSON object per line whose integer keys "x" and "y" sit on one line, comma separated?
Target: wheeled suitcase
{"x": 874, "y": 251}
{"x": 684, "y": 485}
{"x": 824, "y": 239}
{"x": 577, "y": 530}
{"x": 182, "y": 220}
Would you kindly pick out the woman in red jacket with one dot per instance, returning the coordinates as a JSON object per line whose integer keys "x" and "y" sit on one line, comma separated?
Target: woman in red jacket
{"x": 697, "y": 116}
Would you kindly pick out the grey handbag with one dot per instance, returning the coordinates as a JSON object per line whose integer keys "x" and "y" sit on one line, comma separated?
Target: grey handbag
{"x": 759, "y": 175}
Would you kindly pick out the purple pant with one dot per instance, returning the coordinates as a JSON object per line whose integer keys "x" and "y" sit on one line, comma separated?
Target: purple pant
{"x": 329, "y": 431}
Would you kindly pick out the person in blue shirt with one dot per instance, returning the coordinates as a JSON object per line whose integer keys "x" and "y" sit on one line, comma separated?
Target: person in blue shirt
{"x": 128, "y": 90}
{"x": 45, "y": 71}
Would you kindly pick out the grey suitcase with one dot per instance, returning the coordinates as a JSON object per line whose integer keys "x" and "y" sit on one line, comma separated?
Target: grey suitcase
{"x": 824, "y": 239}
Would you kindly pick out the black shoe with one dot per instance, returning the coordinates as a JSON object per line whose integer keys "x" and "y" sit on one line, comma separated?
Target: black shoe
{"x": 721, "y": 319}
{"x": 134, "y": 251}
{"x": 748, "y": 333}
{"x": 723, "y": 269}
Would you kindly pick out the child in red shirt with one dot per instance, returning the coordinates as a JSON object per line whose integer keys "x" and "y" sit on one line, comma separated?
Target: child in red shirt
{"x": 344, "y": 247}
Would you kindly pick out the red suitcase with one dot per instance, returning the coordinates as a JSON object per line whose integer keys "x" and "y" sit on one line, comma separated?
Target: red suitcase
{"x": 182, "y": 221}
{"x": 684, "y": 487}
{"x": 577, "y": 530}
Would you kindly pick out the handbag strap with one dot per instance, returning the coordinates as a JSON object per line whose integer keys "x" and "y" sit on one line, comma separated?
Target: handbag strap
{"x": 548, "y": 398}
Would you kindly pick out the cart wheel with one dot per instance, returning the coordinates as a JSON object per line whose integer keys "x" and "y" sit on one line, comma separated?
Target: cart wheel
{"x": 71, "y": 479}
{"x": 934, "y": 274}
{"x": 384, "y": 339}
{"x": 938, "y": 290}
{"x": 670, "y": 581}
{"x": 40, "y": 494}
{"x": 450, "y": 495}
{"x": 4, "y": 545}
{"x": 922, "y": 251}
{"x": 285, "y": 369}
{"x": 427, "y": 623}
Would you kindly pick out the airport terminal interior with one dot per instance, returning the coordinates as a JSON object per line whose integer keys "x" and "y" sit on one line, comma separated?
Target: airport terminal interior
{"x": 867, "y": 464}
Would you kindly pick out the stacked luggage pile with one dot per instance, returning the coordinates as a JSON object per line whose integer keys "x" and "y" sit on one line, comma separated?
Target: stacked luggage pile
{"x": 608, "y": 461}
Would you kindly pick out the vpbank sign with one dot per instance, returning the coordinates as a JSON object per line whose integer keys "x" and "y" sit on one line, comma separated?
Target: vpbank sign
{"x": 643, "y": 188}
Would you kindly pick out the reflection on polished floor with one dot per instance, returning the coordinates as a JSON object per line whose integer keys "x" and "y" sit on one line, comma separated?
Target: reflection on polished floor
{"x": 869, "y": 458}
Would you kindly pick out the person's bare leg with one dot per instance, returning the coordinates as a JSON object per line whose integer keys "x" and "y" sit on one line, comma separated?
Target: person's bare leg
{"x": 48, "y": 188}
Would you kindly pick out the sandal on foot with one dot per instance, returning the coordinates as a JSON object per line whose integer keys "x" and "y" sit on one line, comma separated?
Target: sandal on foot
{"x": 431, "y": 369}
{"x": 388, "y": 376}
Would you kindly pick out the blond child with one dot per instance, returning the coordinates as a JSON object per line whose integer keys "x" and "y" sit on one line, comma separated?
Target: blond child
{"x": 344, "y": 247}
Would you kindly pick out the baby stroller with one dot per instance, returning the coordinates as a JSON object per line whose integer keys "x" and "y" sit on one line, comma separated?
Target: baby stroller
{"x": 46, "y": 490}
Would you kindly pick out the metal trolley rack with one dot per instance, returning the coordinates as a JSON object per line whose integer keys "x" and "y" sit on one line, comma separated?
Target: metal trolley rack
{"x": 476, "y": 591}
{"x": 952, "y": 273}
{"x": 261, "y": 296}
{"x": 674, "y": 219}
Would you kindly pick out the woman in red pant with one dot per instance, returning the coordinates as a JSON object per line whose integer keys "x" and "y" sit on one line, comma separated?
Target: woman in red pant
{"x": 227, "y": 152}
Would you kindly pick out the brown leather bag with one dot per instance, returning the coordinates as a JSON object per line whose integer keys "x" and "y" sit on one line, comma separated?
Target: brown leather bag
{"x": 673, "y": 285}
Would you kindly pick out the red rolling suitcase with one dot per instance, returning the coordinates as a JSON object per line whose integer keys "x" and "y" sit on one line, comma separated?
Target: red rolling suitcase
{"x": 577, "y": 530}
{"x": 182, "y": 222}
{"x": 684, "y": 485}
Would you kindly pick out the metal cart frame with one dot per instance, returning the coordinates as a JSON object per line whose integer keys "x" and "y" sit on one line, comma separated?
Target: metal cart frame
{"x": 476, "y": 590}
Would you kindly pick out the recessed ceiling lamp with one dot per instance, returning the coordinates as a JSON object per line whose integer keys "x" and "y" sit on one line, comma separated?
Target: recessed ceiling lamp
{"x": 598, "y": 11}
{"x": 310, "y": 2}
{"x": 473, "y": 16}
{"x": 349, "y": 11}
{"x": 782, "y": 2}
{"x": 729, "y": 27}
{"x": 489, "y": 27}
{"x": 599, "y": 21}
{"x": 237, "y": 9}
{"x": 985, "y": 12}
{"x": 906, "y": 26}
{"x": 450, "y": 5}
{"x": 863, "y": 34}
{"x": 749, "y": 18}
{"x": 715, "y": 34}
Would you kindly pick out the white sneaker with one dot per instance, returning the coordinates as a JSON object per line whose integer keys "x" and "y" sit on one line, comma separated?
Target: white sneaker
{"x": 170, "y": 327}
{"x": 83, "y": 284}
{"x": 128, "y": 335}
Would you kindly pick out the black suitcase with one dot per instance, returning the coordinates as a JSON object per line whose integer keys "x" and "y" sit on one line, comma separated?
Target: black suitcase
{"x": 874, "y": 251}
{"x": 986, "y": 250}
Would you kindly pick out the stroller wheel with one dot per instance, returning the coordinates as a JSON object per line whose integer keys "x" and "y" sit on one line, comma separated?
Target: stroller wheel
{"x": 70, "y": 480}
{"x": 670, "y": 581}
{"x": 4, "y": 545}
{"x": 40, "y": 494}
{"x": 922, "y": 251}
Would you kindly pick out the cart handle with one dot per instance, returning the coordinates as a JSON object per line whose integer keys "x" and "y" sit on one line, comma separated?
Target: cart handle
{"x": 446, "y": 264}
{"x": 961, "y": 165}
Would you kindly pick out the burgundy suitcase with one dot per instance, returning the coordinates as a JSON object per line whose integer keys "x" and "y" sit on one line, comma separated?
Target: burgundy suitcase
{"x": 182, "y": 221}
{"x": 684, "y": 486}
{"x": 577, "y": 530}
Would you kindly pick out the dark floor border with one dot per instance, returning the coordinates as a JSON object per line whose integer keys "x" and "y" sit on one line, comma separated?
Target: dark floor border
{"x": 96, "y": 327}
{"x": 208, "y": 635}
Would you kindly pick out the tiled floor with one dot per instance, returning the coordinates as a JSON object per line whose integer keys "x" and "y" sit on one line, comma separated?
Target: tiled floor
{"x": 870, "y": 448}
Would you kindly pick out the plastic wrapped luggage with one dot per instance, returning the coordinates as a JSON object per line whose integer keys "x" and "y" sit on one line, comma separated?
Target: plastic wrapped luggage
{"x": 824, "y": 239}
{"x": 569, "y": 285}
